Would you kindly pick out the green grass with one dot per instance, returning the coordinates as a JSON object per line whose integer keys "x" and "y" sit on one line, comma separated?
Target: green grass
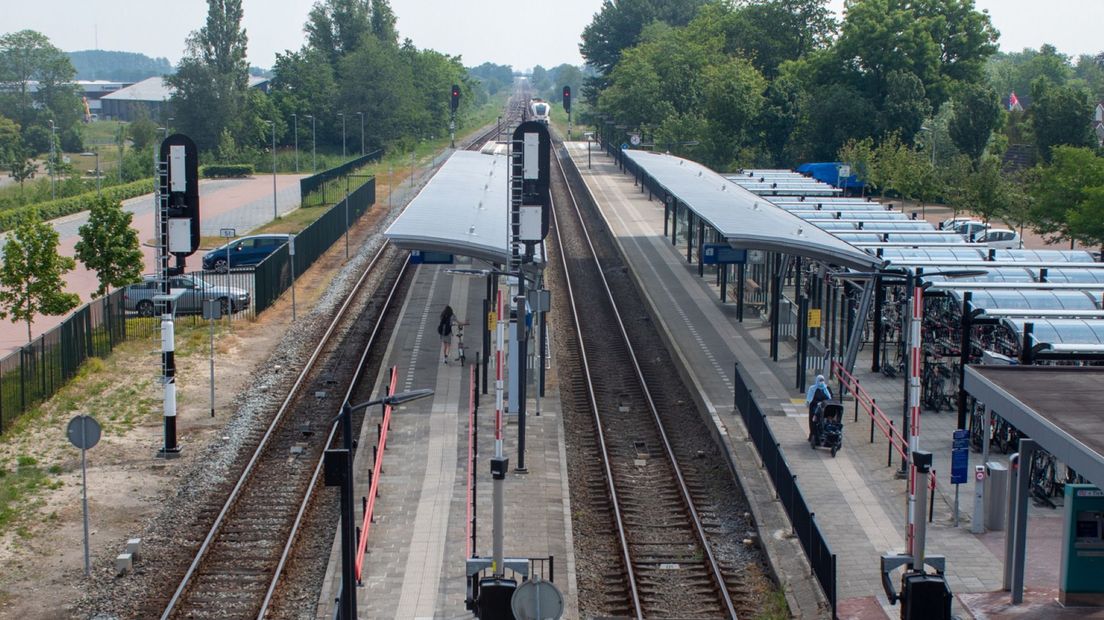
{"x": 774, "y": 607}
{"x": 18, "y": 486}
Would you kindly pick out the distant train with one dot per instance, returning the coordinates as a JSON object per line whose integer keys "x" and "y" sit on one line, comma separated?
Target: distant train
{"x": 538, "y": 110}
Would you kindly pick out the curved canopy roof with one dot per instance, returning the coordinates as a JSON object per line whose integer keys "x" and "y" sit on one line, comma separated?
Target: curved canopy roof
{"x": 742, "y": 218}
{"x": 1028, "y": 300}
{"x": 461, "y": 210}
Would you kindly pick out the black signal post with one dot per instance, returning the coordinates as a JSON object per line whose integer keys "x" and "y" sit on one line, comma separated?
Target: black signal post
{"x": 454, "y": 104}
{"x": 567, "y": 108}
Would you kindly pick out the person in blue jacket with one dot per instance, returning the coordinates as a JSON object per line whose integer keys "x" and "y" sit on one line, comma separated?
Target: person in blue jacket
{"x": 817, "y": 392}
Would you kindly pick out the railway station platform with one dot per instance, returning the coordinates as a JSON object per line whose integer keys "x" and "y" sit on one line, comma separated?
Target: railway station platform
{"x": 414, "y": 566}
{"x": 857, "y": 499}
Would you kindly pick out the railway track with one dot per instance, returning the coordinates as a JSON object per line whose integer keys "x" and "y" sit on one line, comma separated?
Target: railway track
{"x": 240, "y": 561}
{"x": 675, "y": 521}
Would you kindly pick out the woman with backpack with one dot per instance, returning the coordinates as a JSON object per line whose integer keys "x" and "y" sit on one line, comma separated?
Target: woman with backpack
{"x": 444, "y": 329}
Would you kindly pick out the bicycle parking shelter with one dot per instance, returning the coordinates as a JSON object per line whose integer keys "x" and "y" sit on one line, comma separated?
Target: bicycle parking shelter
{"x": 1058, "y": 407}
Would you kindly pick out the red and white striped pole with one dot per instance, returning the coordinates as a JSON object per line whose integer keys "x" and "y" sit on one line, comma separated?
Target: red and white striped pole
{"x": 914, "y": 416}
{"x": 500, "y": 344}
{"x": 498, "y": 517}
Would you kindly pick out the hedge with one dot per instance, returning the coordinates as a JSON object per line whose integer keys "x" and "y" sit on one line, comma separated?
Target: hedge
{"x": 61, "y": 207}
{"x": 227, "y": 171}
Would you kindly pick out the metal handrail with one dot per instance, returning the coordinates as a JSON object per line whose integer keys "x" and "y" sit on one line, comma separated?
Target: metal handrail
{"x": 377, "y": 468}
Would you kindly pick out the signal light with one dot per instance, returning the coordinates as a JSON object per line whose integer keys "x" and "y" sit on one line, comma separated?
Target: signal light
{"x": 567, "y": 98}
{"x": 455, "y": 103}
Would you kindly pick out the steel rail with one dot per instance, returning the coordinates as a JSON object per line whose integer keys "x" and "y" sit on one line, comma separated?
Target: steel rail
{"x": 699, "y": 530}
{"x": 247, "y": 473}
{"x": 316, "y": 475}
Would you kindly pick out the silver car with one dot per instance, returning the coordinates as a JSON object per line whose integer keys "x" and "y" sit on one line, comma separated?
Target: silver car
{"x": 193, "y": 291}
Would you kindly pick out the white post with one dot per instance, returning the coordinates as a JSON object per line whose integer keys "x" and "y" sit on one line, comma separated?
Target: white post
{"x": 211, "y": 320}
{"x": 84, "y": 500}
{"x": 498, "y": 516}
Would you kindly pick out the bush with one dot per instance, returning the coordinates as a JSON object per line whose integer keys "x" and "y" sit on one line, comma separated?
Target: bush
{"x": 51, "y": 209}
{"x": 226, "y": 171}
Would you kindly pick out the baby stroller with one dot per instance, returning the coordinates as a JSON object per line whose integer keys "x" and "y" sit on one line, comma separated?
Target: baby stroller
{"x": 827, "y": 426}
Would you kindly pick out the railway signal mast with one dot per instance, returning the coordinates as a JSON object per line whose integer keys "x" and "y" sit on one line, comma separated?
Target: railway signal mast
{"x": 567, "y": 108}
{"x": 177, "y": 222}
{"x": 454, "y": 104}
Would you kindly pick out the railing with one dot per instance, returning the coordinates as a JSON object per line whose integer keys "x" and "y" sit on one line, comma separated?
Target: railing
{"x": 802, "y": 520}
{"x": 41, "y": 367}
{"x": 473, "y": 452}
{"x": 897, "y": 441}
{"x": 316, "y": 181}
{"x": 373, "y": 481}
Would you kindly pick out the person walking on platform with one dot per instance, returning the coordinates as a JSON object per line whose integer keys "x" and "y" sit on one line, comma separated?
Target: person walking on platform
{"x": 817, "y": 392}
{"x": 444, "y": 329}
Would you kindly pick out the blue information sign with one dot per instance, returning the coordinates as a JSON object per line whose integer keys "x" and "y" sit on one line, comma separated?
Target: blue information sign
{"x": 960, "y": 456}
{"x": 722, "y": 254}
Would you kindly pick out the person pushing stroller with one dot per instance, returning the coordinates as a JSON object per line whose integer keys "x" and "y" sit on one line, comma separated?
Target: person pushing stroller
{"x": 816, "y": 393}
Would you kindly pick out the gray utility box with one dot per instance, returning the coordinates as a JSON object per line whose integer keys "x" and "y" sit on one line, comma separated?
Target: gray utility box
{"x": 997, "y": 486}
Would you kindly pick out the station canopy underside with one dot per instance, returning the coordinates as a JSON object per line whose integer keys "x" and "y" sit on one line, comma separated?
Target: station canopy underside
{"x": 462, "y": 210}
{"x": 743, "y": 219}
{"x": 1058, "y": 406}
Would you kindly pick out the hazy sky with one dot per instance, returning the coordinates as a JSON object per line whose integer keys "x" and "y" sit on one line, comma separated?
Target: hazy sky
{"x": 521, "y": 33}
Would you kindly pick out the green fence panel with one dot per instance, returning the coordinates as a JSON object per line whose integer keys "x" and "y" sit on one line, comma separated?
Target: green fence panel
{"x": 313, "y": 182}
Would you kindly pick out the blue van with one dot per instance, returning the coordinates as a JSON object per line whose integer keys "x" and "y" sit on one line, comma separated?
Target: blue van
{"x": 244, "y": 252}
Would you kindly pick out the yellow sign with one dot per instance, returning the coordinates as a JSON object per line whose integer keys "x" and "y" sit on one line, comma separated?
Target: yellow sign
{"x": 814, "y": 318}
{"x": 492, "y": 320}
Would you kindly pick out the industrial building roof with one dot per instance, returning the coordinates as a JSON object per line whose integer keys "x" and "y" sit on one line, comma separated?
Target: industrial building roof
{"x": 743, "y": 219}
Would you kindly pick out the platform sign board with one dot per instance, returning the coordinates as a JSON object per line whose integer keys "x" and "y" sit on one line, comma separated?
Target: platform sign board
{"x": 722, "y": 254}
{"x": 960, "y": 456}
{"x": 425, "y": 257}
{"x": 814, "y": 319}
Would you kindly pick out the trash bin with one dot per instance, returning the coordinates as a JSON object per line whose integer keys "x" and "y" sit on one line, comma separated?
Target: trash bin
{"x": 996, "y": 495}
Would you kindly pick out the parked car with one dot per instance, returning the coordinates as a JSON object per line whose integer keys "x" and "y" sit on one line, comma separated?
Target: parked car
{"x": 1001, "y": 239}
{"x": 243, "y": 252}
{"x": 971, "y": 230}
{"x": 193, "y": 291}
{"x": 952, "y": 223}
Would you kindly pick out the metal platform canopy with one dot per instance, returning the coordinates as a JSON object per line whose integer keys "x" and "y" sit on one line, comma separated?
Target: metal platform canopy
{"x": 462, "y": 210}
{"x": 743, "y": 219}
{"x": 1058, "y": 407}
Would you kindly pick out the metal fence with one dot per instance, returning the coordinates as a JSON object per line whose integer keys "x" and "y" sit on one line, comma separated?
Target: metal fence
{"x": 316, "y": 181}
{"x": 41, "y": 367}
{"x": 803, "y": 520}
{"x": 273, "y": 275}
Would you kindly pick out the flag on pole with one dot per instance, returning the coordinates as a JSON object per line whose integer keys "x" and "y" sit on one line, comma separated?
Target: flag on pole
{"x": 1014, "y": 102}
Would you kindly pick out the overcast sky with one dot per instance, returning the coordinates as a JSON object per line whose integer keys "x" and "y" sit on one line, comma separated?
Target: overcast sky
{"x": 521, "y": 33}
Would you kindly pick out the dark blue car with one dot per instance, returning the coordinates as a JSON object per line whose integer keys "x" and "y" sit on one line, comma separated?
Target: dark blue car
{"x": 244, "y": 252}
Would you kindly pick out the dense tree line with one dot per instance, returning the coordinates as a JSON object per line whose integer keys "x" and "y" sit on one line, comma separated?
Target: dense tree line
{"x": 117, "y": 66}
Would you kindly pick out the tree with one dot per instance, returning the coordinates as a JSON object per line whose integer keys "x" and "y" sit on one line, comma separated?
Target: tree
{"x": 28, "y": 57}
{"x": 10, "y": 142}
{"x": 142, "y": 130}
{"x": 987, "y": 190}
{"x": 976, "y": 115}
{"x": 213, "y": 76}
{"x": 22, "y": 168}
{"x": 618, "y": 24}
{"x": 109, "y": 246}
{"x": 1060, "y": 115}
{"x": 31, "y": 275}
{"x": 859, "y": 154}
{"x": 1067, "y": 196}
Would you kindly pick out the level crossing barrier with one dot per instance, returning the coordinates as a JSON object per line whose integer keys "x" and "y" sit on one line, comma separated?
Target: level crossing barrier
{"x": 369, "y": 503}
{"x": 802, "y": 520}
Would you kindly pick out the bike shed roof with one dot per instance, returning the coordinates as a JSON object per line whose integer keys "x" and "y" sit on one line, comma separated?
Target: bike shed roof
{"x": 461, "y": 210}
{"x": 1057, "y": 406}
{"x": 743, "y": 219}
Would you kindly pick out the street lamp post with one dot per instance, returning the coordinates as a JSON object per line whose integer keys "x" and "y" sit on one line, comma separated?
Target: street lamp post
{"x": 295, "y": 124}
{"x": 342, "y": 115}
{"x": 361, "y": 115}
{"x": 314, "y": 149}
{"x": 347, "y": 600}
{"x": 53, "y": 160}
{"x": 275, "y": 213}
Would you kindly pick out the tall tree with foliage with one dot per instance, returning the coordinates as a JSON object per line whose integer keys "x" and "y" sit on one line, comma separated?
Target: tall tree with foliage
{"x": 617, "y": 25}
{"x": 212, "y": 78}
{"x": 976, "y": 114}
{"x": 1068, "y": 196}
{"x": 1060, "y": 116}
{"x": 109, "y": 246}
{"x": 28, "y": 57}
{"x": 31, "y": 281}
